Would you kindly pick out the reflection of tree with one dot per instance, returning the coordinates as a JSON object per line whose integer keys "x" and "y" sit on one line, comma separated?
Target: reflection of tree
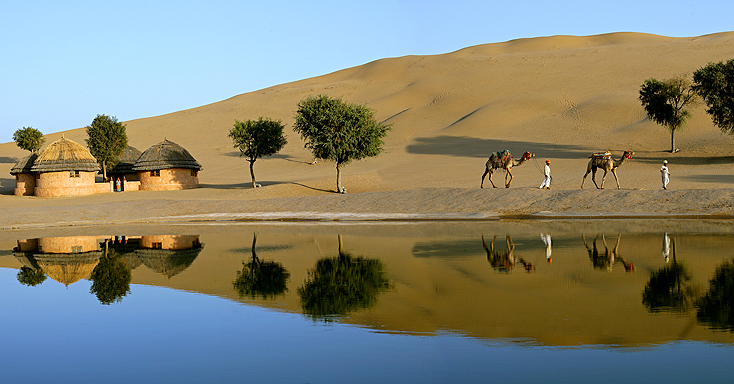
{"x": 266, "y": 279}
{"x": 110, "y": 278}
{"x": 30, "y": 276}
{"x": 504, "y": 261}
{"x": 669, "y": 289}
{"x": 339, "y": 285}
{"x": 606, "y": 260}
{"x": 716, "y": 307}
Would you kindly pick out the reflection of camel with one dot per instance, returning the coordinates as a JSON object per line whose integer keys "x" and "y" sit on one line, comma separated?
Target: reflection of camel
{"x": 503, "y": 160}
{"x": 608, "y": 258}
{"x": 504, "y": 261}
{"x": 605, "y": 161}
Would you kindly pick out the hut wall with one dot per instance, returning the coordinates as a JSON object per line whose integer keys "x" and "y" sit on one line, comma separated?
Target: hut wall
{"x": 170, "y": 242}
{"x": 132, "y": 185}
{"x": 56, "y": 184}
{"x": 25, "y": 184}
{"x": 72, "y": 244}
{"x": 103, "y": 187}
{"x": 169, "y": 179}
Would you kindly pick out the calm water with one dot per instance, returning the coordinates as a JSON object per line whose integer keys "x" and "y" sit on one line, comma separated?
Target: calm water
{"x": 602, "y": 301}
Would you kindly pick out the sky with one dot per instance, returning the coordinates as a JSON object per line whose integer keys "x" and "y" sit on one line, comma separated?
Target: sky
{"x": 63, "y": 63}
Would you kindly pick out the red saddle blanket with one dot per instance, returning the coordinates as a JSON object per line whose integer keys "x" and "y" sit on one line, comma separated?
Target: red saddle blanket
{"x": 601, "y": 155}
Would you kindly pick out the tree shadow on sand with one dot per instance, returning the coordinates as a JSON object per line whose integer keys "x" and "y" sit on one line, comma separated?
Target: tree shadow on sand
{"x": 8, "y": 160}
{"x": 465, "y": 146}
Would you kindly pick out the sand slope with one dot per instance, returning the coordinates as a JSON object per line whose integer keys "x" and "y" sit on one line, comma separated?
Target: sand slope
{"x": 561, "y": 97}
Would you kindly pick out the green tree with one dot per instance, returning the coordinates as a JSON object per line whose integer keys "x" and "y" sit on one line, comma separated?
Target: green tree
{"x": 107, "y": 141}
{"x": 339, "y": 131}
{"x": 256, "y": 139}
{"x": 110, "y": 278}
{"x": 339, "y": 285}
{"x": 665, "y": 102}
{"x": 266, "y": 279}
{"x": 715, "y": 84}
{"x": 30, "y": 277}
{"x": 29, "y": 138}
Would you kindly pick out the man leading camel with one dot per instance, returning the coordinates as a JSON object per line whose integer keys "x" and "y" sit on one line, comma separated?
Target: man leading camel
{"x": 546, "y": 172}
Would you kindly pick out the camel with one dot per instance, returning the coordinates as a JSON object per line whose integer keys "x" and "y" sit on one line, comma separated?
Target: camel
{"x": 605, "y": 161}
{"x": 503, "y": 160}
{"x": 505, "y": 261}
{"x": 607, "y": 259}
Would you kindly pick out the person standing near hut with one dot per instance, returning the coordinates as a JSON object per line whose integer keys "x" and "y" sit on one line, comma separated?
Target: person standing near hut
{"x": 547, "y": 172}
{"x": 665, "y": 173}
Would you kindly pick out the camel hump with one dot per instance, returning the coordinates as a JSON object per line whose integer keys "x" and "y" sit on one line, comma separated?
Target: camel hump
{"x": 601, "y": 155}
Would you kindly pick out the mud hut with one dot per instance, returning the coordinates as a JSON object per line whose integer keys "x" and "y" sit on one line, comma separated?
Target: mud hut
{"x": 25, "y": 180}
{"x": 66, "y": 168}
{"x": 167, "y": 166}
{"x": 124, "y": 166}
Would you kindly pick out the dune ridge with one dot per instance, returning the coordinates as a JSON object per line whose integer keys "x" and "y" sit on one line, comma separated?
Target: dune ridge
{"x": 561, "y": 97}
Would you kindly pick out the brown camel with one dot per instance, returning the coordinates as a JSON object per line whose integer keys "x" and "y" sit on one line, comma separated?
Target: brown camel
{"x": 504, "y": 261}
{"x": 606, "y": 260}
{"x": 605, "y": 161}
{"x": 503, "y": 160}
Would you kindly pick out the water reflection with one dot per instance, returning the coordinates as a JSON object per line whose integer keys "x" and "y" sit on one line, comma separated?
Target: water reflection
{"x": 669, "y": 288}
{"x": 422, "y": 283}
{"x": 607, "y": 259}
{"x": 106, "y": 261}
{"x": 258, "y": 278}
{"x": 342, "y": 284}
{"x": 716, "y": 307}
{"x": 504, "y": 261}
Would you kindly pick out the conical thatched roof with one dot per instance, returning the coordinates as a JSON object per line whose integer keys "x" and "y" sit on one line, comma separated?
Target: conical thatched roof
{"x": 165, "y": 155}
{"x": 65, "y": 155}
{"x": 68, "y": 268}
{"x": 24, "y": 165}
{"x": 127, "y": 161}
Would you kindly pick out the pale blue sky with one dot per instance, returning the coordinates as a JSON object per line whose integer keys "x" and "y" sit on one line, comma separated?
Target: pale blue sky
{"x": 64, "y": 62}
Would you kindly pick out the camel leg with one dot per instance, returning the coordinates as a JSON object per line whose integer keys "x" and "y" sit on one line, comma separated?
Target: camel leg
{"x": 593, "y": 178}
{"x": 603, "y": 178}
{"x": 584, "y": 179}
{"x": 509, "y": 174}
{"x": 614, "y": 172}
{"x": 486, "y": 171}
{"x": 490, "y": 179}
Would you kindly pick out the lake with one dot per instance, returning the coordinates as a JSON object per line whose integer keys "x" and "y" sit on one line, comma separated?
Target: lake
{"x": 409, "y": 302}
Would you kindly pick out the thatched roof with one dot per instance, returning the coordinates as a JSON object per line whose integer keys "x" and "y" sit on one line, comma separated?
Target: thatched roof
{"x": 65, "y": 155}
{"x": 168, "y": 262}
{"x": 127, "y": 161}
{"x": 68, "y": 268}
{"x": 24, "y": 165}
{"x": 165, "y": 155}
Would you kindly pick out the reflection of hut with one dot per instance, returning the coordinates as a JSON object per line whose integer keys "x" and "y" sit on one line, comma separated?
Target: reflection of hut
{"x": 65, "y": 168}
{"x": 68, "y": 268}
{"x": 25, "y": 180}
{"x": 124, "y": 167}
{"x": 64, "y": 259}
{"x": 167, "y": 166}
{"x": 169, "y": 255}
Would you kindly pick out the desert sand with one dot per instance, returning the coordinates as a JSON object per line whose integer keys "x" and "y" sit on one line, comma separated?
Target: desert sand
{"x": 561, "y": 97}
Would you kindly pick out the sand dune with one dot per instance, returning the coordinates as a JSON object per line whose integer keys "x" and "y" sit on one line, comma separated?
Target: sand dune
{"x": 561, "y": 97}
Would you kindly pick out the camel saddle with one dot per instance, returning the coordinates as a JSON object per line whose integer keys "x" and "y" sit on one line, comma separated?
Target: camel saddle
{"x": 499, "y": 159}
{"x": 601, "y": 155}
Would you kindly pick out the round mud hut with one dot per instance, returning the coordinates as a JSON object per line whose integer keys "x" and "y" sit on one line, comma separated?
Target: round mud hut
{"x": 167, "y": 166}
{"x": 65, "y": 168}
{"x": 25, "y": 180}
